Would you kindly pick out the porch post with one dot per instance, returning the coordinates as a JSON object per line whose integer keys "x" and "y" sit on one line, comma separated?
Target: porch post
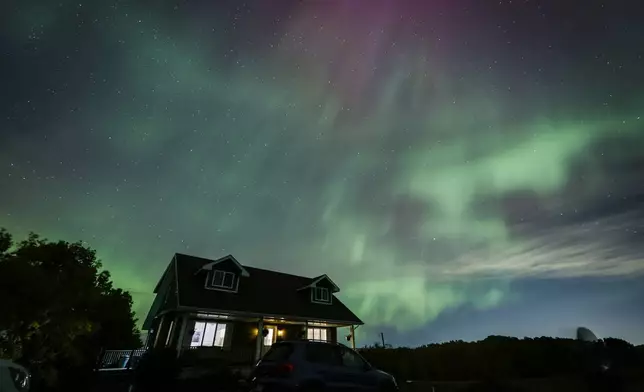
{"x": 260, "y": 339}
{"x": 182, "y": 334}
{"x": 157, "y": 332}
{"x": 171, "y": 331}
{"x": 353, "y": 337}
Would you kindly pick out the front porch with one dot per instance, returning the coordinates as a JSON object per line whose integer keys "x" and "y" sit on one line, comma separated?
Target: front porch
{"x": 234, "y": 339}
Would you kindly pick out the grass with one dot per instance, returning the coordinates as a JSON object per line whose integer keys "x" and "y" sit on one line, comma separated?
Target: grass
{"x": 561, "y": 384}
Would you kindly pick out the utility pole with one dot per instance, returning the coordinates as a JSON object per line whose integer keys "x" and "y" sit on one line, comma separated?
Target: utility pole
{"x": 382, "y": 337}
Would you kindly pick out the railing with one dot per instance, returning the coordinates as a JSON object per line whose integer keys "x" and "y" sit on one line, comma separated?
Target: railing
{"x": 120, "y": 359}
{"x": 128, "y": 359}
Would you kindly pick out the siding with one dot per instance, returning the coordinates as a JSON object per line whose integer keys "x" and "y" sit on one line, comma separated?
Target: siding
{"x": 243, "y": 336}
{"x": 333, "y": 334}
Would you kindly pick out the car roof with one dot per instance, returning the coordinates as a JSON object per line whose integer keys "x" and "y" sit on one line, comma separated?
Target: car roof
{"x": 11, "y": 364}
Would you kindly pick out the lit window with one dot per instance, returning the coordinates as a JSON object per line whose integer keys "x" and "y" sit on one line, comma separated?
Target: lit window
{"x": 321, "y": 294}
{"x": 316, "y": 334}
{"x": 208, "y": 334}
{"x": 223, "y": 279}
{"x": 220, "y": 335}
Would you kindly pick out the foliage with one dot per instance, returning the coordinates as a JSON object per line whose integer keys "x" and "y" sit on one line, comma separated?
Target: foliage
{"x": 499, "y": 357}
{"x": 59, "y": 308}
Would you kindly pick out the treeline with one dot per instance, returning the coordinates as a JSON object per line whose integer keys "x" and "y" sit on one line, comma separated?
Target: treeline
{"x": 500, "y": 357}
{"x": 58, "y": 309}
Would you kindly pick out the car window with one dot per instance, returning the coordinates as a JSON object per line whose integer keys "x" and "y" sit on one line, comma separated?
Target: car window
{"x": 279, "y": 352}
{"x": 352, "y": 360}
{"x": 324, "y": 354}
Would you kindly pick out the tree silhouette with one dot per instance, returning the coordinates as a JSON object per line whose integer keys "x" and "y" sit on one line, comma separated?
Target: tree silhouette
{"x": 59, "y": 309}
{"x": 502, "y": 358}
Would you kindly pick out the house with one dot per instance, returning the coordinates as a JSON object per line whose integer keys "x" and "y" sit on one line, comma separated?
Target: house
{"x": 221, "y": 309}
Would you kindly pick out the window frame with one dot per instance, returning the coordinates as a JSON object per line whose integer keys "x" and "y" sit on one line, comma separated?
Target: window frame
{"x": 319, "y": 331}
{"x": 217, "y": 326}
{"x": 232, "y": 287}
{"x": 318, "y": 295}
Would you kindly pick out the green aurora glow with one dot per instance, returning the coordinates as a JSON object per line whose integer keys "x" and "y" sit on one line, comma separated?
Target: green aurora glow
{"x": 169, "y": 146}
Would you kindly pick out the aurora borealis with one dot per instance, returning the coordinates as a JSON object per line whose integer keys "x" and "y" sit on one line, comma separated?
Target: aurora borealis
{"x": 460, "y": 168}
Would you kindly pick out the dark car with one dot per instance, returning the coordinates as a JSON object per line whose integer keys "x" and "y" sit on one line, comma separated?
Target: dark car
{"x": 13, "y": 377}
{"x": 312, "y": 366}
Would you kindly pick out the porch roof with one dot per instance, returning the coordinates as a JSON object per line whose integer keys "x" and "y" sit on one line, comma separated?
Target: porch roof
{"x": 268, "y": 318}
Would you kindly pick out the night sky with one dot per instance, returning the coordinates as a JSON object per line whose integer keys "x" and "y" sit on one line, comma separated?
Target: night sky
{"x": 460, "y": 168}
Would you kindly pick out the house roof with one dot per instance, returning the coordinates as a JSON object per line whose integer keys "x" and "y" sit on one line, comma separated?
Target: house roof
{"x": 165, "y": 272}
{"x": 261, "y": 292}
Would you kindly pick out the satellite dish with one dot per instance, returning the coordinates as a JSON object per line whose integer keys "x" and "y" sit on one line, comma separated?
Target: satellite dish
{"x": 596, "y": 349}
{"x": 586, "y": 335}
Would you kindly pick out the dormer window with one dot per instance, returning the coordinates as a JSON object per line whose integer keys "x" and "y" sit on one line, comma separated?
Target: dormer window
{"x": 222, "y": 280}
{"x": 321, "y": 294}
{"x": 220, "y": 276}
{"x": 322, "y": 289}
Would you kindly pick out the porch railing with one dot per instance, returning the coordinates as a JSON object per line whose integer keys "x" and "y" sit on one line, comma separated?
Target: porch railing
{"x": 120, "y": 359}
{"x": 128, "y": 359}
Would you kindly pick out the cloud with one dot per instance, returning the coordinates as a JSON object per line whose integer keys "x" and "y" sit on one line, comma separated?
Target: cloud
{"x": 598, "y": 248}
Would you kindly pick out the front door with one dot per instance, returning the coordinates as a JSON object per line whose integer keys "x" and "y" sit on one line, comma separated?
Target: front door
{"x": 270, "y": 337}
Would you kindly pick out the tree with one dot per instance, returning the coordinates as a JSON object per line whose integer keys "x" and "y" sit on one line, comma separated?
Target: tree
{"x": 59, "y": 308}
{"x": 502, "y": 358}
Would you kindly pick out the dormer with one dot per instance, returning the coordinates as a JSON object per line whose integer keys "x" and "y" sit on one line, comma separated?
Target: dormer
{"x": 321, "y": 290}
{"x": 224, "y": 274}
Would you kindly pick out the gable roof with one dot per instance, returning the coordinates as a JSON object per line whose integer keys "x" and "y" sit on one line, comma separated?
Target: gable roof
{"x": 166, "y": 271}
{"x": 315, "y": 281}
{"x": 212, "y": 264}
{"x": 261, "y": 292}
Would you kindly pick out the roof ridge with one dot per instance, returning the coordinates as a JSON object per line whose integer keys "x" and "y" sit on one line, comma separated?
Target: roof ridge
{"x": 276, "y": 272}
{"x": 197, "y": 257}
{"x": 248, "y": 266}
